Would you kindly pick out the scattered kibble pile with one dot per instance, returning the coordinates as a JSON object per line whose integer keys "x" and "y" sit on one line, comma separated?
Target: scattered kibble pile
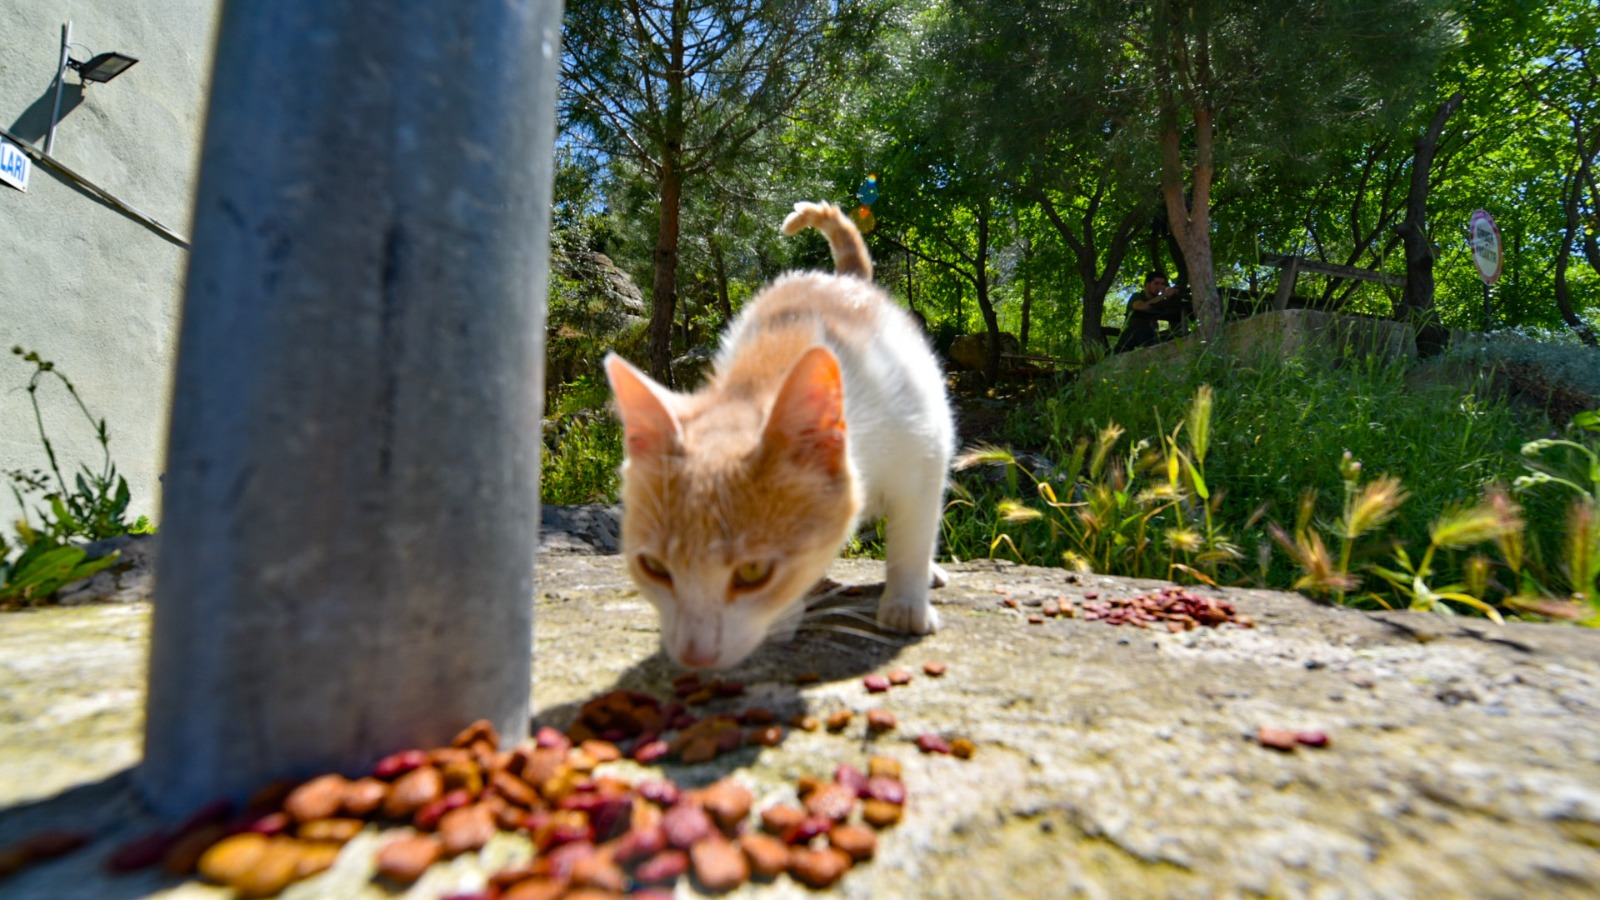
{"x": 1176, "y": 608}
{"x": 594, "y": 835}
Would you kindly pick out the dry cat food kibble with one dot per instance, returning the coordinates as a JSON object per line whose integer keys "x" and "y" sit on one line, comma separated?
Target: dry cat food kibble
{"x": 880, "y": 719}
{"x": 593, "y": 834}
{"x": 1287, "y": 740}
{"x": 1178, "y": 608}
{"x": 935, "y": 669}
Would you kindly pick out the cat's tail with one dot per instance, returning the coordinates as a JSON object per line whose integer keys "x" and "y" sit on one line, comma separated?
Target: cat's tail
{"x": 849, "y": 250}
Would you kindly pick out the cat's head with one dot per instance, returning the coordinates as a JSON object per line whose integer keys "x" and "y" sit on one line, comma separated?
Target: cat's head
{"x": 733, "y": 504}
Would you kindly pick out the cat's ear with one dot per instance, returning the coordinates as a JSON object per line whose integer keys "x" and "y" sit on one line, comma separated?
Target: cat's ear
{"x": 807, "y": 419}
{"x": 645, "y": 408}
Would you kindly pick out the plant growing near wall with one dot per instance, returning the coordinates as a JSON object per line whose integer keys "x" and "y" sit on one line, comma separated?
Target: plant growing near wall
{"x": 91, "y": 507}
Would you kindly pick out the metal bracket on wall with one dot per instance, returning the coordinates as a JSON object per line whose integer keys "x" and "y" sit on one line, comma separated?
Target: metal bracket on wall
{"x": 94, "y": 190}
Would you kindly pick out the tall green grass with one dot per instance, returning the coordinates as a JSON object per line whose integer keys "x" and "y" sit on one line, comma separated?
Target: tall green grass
{"x": 1291, "y": 445}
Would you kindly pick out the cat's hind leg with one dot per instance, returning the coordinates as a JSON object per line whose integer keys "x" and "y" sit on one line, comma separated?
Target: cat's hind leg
{"x": 912, "y": 531}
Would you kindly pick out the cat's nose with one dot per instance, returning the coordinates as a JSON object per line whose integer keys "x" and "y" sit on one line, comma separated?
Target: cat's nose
{"x": 696, "y": 658}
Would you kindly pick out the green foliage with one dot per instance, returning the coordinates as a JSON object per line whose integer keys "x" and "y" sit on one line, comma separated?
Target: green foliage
{"x": 1147, "y": 511}
{"x": 1274, "y": 431}
{"x": 42, "y": 568}
{"x": 91, "y": 507}
{"x": 581, "y": 460}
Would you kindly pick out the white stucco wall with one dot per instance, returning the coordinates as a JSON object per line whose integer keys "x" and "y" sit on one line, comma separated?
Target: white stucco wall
{"x": 82, "y": 284}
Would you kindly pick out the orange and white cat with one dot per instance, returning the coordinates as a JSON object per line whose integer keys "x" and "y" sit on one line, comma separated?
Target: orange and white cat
{"x": 826, "y": 405}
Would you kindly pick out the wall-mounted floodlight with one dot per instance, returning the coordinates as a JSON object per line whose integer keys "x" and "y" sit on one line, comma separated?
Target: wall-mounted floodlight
{"x": 100, "y": 68}
{"x": 103, "y": 67}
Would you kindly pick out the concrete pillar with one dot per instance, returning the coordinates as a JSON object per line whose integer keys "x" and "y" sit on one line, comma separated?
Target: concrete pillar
{"x": 351, "y": 501}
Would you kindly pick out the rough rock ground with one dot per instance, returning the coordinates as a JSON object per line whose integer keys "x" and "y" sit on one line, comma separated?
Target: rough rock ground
{"x": 1112, "y": 762}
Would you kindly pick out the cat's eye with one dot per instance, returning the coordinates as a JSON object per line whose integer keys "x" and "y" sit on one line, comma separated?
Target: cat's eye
{"x": 752, "y": 575}
{"x": 655, "y": 568}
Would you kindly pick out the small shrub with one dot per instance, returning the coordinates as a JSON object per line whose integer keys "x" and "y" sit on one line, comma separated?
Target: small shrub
{"x": 581, "y": 460}
{"x": 91, "y": 507}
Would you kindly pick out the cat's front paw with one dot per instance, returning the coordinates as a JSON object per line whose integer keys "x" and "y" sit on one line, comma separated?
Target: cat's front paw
{"x": 911, "y": 615}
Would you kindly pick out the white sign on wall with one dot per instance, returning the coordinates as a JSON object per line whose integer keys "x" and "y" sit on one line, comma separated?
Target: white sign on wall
{"x": 14, "y": 165}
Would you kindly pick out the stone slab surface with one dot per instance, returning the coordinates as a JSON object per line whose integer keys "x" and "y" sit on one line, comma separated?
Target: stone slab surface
{"x": 1112, "y": 762}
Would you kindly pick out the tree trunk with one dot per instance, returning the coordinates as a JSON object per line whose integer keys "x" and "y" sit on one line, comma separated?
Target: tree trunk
{"x": 991, "y": 366}
{"x": 1413, "y": 229}
{"x": 664, "y": 292}
{"x": 1027, "y": 299}
{"x": 719, "y": 266}
{"x": 1190, "y": 217}
{"x": 1573, "y": 188}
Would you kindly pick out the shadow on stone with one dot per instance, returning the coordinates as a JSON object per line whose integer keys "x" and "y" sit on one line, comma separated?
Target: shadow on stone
{"x": 770, "y": 675}
{"x": 110, "y": 813}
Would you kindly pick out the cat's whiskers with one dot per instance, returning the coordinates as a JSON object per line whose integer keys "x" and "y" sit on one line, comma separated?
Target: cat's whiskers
{"x": 835, "y": 628}
{"x": 847, "y": 611}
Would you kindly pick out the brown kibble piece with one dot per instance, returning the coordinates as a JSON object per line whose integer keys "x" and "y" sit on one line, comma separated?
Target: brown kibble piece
{"x": 807, "y": 678}
{"x": 539, "y": 888}
{"x": 405, "y": 860}
{"x": 231, "y": 857}
{"x": 1312, "y": 738}
{"x": 880, "y": 719}
{"x": 1276, "y": 738}
{"x": 514, "y": 789}
{"x": 462, "y": 775}
{"x": 186, "y": 851}
{"x": 766, "y": 736}
{"x": 601, "y": 751}
{"x": 886, "y": 766}
{"x": 702, "y": 748}
{"x": 859, "y": 842}
{"x": 768, "y": 856}
{"x": 466, "y": 829}
{"x": 899, "y": 677}
{"x": 831, "y": 801}
{"x": 719, "y": 864}
{"x": 935, "y": 669}
{"x": 961, "y": 748}
{"x": 1036, "y": 620}
{"x": 881, "y": 813}
{"x": 362, "y": 798}
{"x": 336, "y": 831}
{"x": 700, "y": 697}
{"x": 686, "y": 824}
{"x": 757, "y": 715}
{"x": 272, "y": 871}
{"x": 663, "y": 867}
{"x": 315, "y": 859}
{"x": 542, "y": 764}
{"x": 780, "y": 818}
{"x": 728, "y": 802}
{"x": 481, "y": 730}
{"x": 319, "y": 798}
{"x": 818, "y": 868}
{"x": 414, "y": 790}
{"x": 838, "y": 721}
{"x": 805, "y": 723}
{"x": 1010, "y": 602}
{"x": 597, "y": 873}
{"x": 875, "y": 684}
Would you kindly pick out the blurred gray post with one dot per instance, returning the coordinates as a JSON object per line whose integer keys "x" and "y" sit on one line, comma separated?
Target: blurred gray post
{"x": 352, "y": 478}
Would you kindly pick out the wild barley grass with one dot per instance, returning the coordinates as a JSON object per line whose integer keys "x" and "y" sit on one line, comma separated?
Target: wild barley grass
{"x": 1353, "y": 452}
